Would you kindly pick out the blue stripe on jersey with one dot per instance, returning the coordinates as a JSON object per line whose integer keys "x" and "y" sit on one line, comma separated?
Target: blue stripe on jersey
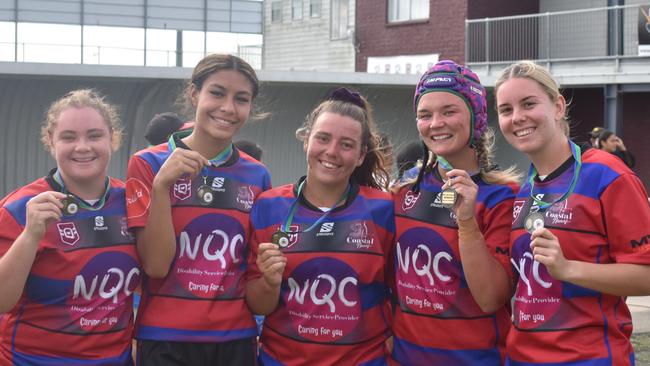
{"x": 18, "y": 209}
{"x": 408, "y": 353}
{"x": 22, "y": 359}
{"x": 372, "y": 294}
{"x": 594, "y": 362}
{"x": 381, "y": 361}
{"x": 154, "y": 159}
{"x": 570, "y": 290}
{"x": 492, "y": 194}
{"x": 152, "y": 333}
{"x": 47, "y": 291}
{"x": 594, "y": 179}
{"x": 265, "y": 212}
{"x": 265, "y": 360}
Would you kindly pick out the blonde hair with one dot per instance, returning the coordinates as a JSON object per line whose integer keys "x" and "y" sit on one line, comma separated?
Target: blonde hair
{"x": 371, "y": 172}
{"x": 529, "y": 70}
{"x": 79, "y": 99}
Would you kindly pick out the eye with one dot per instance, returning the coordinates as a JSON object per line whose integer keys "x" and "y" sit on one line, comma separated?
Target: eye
{"x": 529, "y": 105}
{"x": 243, "y": 100}
{"x": 504, "y": 110}
{"x": 424, "y": 117}
{"x": 217, "y": 93}
{"x": 347, "y": 145}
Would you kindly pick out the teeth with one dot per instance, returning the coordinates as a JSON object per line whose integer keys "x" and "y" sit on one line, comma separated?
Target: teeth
{"x": 441, "y": 137}
{"x": 223, "y": 121}
{"x": 525, "y": 132}
{"x": 83, "y": 160}
{"x": 328, "y": 165}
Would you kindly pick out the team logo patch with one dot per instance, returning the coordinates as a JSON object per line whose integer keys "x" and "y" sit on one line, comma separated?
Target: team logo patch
{"x": 183, "y": 189}
{"x": 326, "y": 229}
{"x": 245, "y": 197}
{"x": 68, "y": 233}
{"x": 138, "y": 198}
{"x": 359, "y": 236}
{"x": 516, "y": 210}
{"x": 293, "y": 235}
{"x": 410, "y": 199}
{"x": 217, "y": 184}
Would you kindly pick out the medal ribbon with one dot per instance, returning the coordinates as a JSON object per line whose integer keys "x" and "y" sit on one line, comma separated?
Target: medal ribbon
{"x": 218, "y": 160}
{"x": 577, "y": 166}
{"x": 57, "y": 177}
{"x": 294, "y": 206}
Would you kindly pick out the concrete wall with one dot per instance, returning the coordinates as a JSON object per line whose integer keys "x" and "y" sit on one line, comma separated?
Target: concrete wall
{"x": 305, "y": 44}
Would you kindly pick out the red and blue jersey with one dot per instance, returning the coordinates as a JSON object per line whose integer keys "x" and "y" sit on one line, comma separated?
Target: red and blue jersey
{"x": 202, "y": 299}
{"x": 333, "y": 297}
{"x": 436, "y": 319}
{"x": 605, "y": 220}
{"x": 76, "y": 308}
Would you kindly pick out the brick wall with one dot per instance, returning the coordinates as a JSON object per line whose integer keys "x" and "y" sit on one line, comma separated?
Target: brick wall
{"x": 442, "y": 33}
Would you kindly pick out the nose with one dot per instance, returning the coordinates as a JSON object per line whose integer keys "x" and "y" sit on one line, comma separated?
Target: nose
{"x": 82, "y": 144}
{"x": 228, "y": 105}
{"x": 517, "y": 115}
{"x": 437, "y": 121}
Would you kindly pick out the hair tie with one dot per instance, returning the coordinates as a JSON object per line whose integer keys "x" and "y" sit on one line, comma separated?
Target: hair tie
{"x": 348, "y": 96}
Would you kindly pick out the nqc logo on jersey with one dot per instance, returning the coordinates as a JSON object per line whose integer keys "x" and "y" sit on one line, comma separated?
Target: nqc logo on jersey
{"x": 326, "y": 229}
{"x": 115, "y": 282}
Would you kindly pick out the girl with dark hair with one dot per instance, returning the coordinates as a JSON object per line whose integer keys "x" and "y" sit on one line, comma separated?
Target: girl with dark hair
{"x": 453, "y": 216}
{"x": 68, "y": 265}
{"x": 323, "y": 244}
{"x": 188, "y": 203}
{"x": 579, "y": 232}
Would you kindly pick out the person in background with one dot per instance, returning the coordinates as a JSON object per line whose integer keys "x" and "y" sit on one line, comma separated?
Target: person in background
{"x": 453, "y": 216}
{"x": 188, "y": 204}
{"x": 322, "y": 246}
{"x": 161, "y": 126}
{"x": 579, "y": 227}
{"x": 613, "y": 144}
{"x": 68, "y": 264}
{"x": 594, "y": 134}
{"x": 250, "y": 148}
{"x": 407, "y": 156}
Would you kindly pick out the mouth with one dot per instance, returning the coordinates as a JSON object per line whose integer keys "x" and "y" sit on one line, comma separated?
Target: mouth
{"x": 328, "y": 165}
{"x": 222, "y": 121}
{"x": 441, "y": 137}
{"x": 524, "y": 132}
{"x": 84, "y": 159}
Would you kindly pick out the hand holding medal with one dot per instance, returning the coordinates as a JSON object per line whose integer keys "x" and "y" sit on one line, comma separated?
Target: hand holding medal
{"x": 43, "y": 209}
{"x": 181, "y": 163}
{"x": 461, "y": 188}
{"x": 546, "y": 250}
{"x": 271, "y": 263}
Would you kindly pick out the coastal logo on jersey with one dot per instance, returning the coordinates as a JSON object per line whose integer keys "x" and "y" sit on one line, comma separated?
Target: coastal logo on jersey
{"x": 68, "y": 233}
{"x": 359, "y": 236}
{"x": 326, "y": 229}
{"x": 323, "y": 299}
{"x": 183, "y": 189}
{"x": 217, "y": 184}
{"x": 99, "y": 224}
{"x": 410, "y": 199}
{"x": 560, "y": 213}
{"x": 516, "y": 209}
{"x": 245, "y": 197}
{"x": 138, "y": 198}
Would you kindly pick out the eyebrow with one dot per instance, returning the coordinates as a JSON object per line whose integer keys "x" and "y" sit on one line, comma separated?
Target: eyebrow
{"x": 221, "y": 87}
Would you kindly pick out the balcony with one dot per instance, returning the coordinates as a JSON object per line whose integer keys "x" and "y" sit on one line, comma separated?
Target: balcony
{"x": 582, "y": 47}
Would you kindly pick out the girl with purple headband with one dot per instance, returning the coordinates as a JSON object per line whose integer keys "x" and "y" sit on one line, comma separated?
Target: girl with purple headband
{"x": 327, "y": 238}
{"x": 453, "y": 215}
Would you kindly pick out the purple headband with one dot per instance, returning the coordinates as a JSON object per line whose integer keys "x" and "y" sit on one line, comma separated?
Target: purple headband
{"x": 348, "y": 96}
{"x": 450, "y": 77}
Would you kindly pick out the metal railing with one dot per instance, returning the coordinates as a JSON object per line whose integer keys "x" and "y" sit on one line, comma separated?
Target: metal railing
{"x": 609, "y": 32}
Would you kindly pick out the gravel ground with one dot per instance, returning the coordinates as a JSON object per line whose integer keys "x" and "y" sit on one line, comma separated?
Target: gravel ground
{"x": 641, "y": 343}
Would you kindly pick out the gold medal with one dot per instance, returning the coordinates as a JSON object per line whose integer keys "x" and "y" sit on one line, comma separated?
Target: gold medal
{"x": 280, "y": 238}
{"x": 534, "y": 220}
{"x": 448, "y": 197}
{"x": 70, "y": 206}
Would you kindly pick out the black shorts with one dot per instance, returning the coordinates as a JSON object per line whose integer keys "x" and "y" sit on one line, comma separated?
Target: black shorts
{"x": 240, "y": 352}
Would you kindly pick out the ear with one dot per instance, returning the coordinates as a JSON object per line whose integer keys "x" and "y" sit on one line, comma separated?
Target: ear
{"x": 362, "y": 157}
{"x": 194, "y": 95}
{"x": 560, "y": 106}
{"x": 50, "y": 143}
{"x": 305, "y": 144}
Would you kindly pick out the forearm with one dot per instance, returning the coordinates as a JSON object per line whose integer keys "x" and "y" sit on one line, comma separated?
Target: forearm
{"x": 15, "y": 266}
{"x": 261, "y": 297}
{"x": 157, "y": 241}
{"x": 487, "y": 279}
{"x": 619, "y": 279}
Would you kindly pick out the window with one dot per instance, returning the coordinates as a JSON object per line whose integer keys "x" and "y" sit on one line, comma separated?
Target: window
{"x": 314, "y": 8}
{"x": 339, "y": 19}
{"x": 296, "y": 9}
{"x": 276, "y": 12}
{"x": 404, "y": 10}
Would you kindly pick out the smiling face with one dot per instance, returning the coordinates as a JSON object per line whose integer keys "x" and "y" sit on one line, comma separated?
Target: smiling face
{"x": 222, "y": 104}
{"x": 443, "y": 120}
{"x": 529, "y": 120}
{"x": 81, "y": 145}
{"x": 333, "y": 149}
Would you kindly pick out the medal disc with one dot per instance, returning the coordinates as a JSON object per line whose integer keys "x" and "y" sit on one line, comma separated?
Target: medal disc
{"x": 534, "y": 220}
{"x": 205, "y": 194}
{"x": 448, "y": 197}
{"x": 70, "y": 207}
{"x": 280, "y": 238}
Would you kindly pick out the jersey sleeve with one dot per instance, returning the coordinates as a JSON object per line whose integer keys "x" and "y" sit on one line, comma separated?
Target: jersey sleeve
{"x": 497, "y": 224}
{"x": 627, "y": 220}
{"x": 10, "y": 229}
{"x": 139, "y": 180}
